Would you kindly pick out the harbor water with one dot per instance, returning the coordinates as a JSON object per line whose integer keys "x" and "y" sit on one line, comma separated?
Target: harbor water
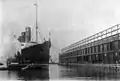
{"x": 62, "y": 72}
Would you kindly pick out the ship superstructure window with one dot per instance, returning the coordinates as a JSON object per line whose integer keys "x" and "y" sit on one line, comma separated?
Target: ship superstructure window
{"x": 22, "y": 44}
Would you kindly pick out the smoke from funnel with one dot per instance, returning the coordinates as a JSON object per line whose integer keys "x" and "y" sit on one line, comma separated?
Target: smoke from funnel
{"x": 9, "y": 47}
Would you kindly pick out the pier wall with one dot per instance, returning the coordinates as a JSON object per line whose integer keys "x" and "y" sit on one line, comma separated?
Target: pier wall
{"x": 103, "y": 47}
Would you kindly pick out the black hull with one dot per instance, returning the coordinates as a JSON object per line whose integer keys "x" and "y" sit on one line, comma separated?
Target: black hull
{"x": 38, "y": 53}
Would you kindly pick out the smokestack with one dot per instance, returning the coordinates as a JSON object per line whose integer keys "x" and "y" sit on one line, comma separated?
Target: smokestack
{"x": 27, "y": 34}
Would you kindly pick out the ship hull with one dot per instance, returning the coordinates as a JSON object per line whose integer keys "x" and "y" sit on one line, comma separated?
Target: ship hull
{"x": 38, "y": 53}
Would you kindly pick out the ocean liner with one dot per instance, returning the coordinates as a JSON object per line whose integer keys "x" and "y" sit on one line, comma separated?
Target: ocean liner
{"x": 31, "y": 52}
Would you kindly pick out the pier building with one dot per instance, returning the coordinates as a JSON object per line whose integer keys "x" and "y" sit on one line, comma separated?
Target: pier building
{"x": 102, "y": 47}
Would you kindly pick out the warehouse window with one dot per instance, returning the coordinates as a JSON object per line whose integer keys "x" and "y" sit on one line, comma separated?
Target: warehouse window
{"x": 82, "y": 51}
{"x": 78, "y": 52}
{"x": 102, "y": 47}
{"x": 119, "y": 44}
{"x": 94, "y": 49}
{"x": 105, "y": 47}
{"x": 108, "y": 45}
{"x": 91, "y": 49}
{"x": 111, "y": 45}
{"x": 115, "y": 44}
{"x": 88, "y": 50}
{"x": 74, "y": 53}
{"x": 98, "y": 48}
{"x": 85, "y": 50}
{"x": 70, "y": 54}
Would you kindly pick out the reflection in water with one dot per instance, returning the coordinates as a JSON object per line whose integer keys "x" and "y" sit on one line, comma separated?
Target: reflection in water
{"x": 33, "y": 74}
{"x": 83, "y": 72}
{"x": 38, "y": 74}
{"x": 62, "y": 72}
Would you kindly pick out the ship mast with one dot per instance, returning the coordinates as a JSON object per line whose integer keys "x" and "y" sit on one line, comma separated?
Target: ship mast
{"x": 36, "y": 22}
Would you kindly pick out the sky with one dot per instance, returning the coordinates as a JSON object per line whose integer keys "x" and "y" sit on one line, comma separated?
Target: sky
{"x": 68, "y": 21}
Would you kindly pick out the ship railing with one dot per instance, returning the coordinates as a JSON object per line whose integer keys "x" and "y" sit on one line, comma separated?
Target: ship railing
{"x": 25, "y": 45}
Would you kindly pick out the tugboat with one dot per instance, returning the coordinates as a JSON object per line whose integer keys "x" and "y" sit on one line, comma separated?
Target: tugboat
{"x": 32, "y": 53}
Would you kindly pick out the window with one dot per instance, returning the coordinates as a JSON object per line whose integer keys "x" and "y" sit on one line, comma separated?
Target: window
{"x": 91, "y": 49}
{"x": 78, "y": 52}
{"x": 119, "y": 44}
{"x": 102, "y": 47}
{"x": 108, "y": 46}
{"x": 88, "y": 50}
{"x": 99, "y": 48}
{"x": 115, "y": 44}
{"x": 105, "y": 48}
{"x": 85, "y": 50}
{"x": 94, "y": 49}
{"x": 82, "y": 51}
{"x": 111, "y": 45}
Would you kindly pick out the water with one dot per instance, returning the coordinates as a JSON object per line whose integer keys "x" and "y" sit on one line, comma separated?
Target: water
{"x": 59, "y": 72}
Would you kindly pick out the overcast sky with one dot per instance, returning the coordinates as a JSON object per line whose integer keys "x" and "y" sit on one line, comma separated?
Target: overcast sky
{"x": 67, "y": 20}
